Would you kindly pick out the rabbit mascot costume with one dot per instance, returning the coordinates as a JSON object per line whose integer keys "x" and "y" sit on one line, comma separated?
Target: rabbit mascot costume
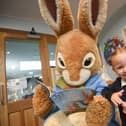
{"x": 78, "y": 61}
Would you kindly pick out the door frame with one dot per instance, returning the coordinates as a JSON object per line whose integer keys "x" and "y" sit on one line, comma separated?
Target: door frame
{"x": 7, "y": 108}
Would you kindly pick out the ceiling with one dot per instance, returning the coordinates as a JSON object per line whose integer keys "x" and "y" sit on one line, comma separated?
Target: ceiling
{"x": 28, "y": 9}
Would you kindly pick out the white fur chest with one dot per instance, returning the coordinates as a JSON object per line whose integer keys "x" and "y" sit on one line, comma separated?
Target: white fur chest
{"x": 60, "y": 119}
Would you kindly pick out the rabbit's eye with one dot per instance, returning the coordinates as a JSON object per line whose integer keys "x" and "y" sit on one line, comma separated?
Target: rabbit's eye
{"x": 60, "y": 61}
{"x": 88, "y": 60}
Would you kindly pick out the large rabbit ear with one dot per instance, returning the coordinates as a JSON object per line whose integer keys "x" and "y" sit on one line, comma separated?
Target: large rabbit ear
{"x": 92, "y": 16}
{"x": 59, "y": 18}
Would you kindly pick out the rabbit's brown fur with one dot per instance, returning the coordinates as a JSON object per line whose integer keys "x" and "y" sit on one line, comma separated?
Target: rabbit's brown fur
{"x": 73, "y": 45}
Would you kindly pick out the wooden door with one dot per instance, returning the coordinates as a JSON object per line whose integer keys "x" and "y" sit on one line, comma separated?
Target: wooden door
{"x": 19, "y": 112}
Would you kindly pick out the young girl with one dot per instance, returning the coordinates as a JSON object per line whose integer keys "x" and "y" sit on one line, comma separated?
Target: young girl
{"x": 115, "y": 55}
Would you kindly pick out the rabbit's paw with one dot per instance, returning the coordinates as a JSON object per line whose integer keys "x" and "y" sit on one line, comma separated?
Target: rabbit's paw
{"x": 98, "y": 112}
{"x": 42, "y": 104}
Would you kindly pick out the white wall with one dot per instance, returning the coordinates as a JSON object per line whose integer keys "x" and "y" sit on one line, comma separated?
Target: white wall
{"x": 113, "y": 27}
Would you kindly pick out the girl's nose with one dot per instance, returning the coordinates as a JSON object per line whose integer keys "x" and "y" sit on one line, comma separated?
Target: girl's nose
{"x": 124, "y": 70}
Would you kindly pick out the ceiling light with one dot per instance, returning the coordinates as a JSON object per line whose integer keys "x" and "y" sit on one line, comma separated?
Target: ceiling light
{"x": 13, "y": 67}
{"x": 8, "y": 52}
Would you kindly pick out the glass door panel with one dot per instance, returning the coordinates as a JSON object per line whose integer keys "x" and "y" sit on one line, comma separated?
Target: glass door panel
{"x": 52, "y": 49}
{"x": 23, "y": 68}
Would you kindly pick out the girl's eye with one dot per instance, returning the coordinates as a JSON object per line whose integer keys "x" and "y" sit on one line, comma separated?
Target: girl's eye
{"x": 88, "y": 60}
{"x": 60, "y": 61}
{"x": 119, "y": 67}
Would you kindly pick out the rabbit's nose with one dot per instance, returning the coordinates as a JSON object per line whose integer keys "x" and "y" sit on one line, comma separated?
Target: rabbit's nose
{"x": 74, "y": 74}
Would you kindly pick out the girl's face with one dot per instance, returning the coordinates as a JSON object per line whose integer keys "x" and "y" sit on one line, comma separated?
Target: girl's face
{"x": 119, "y": 64}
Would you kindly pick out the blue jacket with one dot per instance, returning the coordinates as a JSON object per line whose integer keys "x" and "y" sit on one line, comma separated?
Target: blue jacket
{"x": 95, "y": 82}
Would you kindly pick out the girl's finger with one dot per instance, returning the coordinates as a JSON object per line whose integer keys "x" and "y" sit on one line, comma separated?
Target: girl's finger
{"x": 121, "y": 92}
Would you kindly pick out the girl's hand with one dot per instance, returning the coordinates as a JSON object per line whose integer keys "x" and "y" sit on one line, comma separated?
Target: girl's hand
{"x": 124, "y": 107}
{"x": 115, "y": 98}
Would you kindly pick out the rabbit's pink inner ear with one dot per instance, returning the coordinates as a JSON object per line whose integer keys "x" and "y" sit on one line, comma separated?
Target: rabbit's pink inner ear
{"x": 51, "y": 5}
{"x": 94, "y": 10}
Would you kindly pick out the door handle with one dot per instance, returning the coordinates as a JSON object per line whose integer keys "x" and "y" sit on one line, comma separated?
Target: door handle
{"x": 1, "y": 95}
